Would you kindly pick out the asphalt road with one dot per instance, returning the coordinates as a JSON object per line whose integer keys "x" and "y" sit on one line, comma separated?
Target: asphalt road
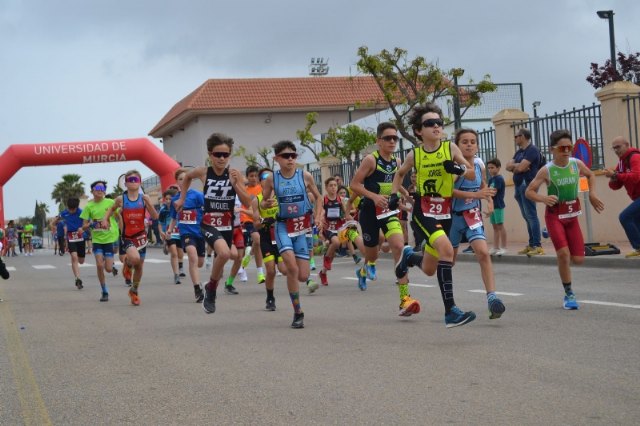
{"x": 66, "y": 358}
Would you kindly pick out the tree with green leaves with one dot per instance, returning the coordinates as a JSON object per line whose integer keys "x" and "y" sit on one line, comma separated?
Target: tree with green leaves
{"x": 264, "y": 157}
{"x": 342, "y": 142}
{"x": 406, "y": 82}
{"x": 70, "y": 186}
{"x": 40, "y": 217}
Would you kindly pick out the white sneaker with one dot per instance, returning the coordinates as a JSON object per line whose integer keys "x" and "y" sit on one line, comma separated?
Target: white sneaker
{"x": 493, "y": 251}
{"x": 501, "y": 251}
{"x": 242, "y": 275}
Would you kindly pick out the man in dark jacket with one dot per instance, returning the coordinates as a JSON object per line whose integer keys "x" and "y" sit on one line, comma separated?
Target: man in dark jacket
{"x": 627, "y": 174}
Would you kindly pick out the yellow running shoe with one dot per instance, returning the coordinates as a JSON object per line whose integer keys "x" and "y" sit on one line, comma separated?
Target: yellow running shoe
{"x": 525, "y": 250}
{"x": 409, "y": 306}
{"x": 635, "y": 253}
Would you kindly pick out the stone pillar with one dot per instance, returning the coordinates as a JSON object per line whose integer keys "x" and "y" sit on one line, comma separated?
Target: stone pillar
{"x": 505, "y": 146}
{"x": 615, "y": 119}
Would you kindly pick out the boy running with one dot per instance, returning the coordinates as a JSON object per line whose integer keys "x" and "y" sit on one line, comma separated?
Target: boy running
{"x": 70, "y": 217}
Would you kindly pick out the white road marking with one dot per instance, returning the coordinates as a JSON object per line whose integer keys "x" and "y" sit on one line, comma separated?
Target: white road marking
{"x": 84, "y": 265}
{"x": 501, "y": 293}
{"x": 619, "y": 305}
{"x": 43, "y": 267}
{"x": 156, "y": 261}
{"x": 11, "y": 268}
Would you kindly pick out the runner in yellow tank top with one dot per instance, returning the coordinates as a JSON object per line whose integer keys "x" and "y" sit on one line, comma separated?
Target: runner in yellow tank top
{"x": 435, "y": 162}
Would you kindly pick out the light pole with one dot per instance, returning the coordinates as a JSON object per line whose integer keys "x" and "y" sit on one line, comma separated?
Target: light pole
{"x": 536, "y": 138}
{"x": 608, "y": 15}
{"x": 350, "y": 109}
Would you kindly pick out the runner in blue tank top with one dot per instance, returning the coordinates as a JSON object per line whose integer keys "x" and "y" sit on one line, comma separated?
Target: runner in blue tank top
{"x": 294, "y": 219}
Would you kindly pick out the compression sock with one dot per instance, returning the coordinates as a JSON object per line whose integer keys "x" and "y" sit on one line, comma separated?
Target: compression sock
{"x": 295, "y": 301}
{"x": 212, "y": 286}
{"x": 270, "y": 294}
{"x": 230, "y": 280}
{"x": 445, "y": 281}
{"x": 404, "y": 290}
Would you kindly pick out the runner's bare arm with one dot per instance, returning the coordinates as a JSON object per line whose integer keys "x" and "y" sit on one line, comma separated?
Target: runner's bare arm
{"x": 457, "y": 156}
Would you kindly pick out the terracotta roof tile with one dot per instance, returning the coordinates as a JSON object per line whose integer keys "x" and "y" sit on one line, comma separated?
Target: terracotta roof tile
{"x": 276, "y": 94}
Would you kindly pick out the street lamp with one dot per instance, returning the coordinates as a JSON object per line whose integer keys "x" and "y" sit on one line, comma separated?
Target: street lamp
{"x": 536, "y": 138}
{"x": 608, "y": 15}
{"x": 536, "y": 104}
{"x": 350, "y": 109}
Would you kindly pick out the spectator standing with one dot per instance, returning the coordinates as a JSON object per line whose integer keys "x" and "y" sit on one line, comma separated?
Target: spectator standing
{"x": 524, "y": 165}
{"x": 496, "y": 181}
{"x": 627, "y": 174}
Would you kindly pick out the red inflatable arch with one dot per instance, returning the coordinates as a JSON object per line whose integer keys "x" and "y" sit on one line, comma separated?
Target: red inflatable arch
{"x": 111, "y": 151}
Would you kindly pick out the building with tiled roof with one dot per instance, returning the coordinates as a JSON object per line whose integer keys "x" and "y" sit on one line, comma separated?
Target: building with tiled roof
{"x": 258, "y": 112}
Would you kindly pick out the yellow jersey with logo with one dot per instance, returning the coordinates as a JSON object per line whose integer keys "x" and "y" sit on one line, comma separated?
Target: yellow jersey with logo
{"x": 431, "y": 177}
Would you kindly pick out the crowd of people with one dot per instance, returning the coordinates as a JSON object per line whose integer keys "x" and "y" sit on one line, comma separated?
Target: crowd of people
{"x": 281, "y": 218}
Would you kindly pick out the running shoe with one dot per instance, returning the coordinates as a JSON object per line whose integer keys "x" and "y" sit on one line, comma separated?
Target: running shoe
{"x": 312, "y": 286}
{"x": 208, "y": 302}
{"x": 496, "y": 308}
{"x": 271, "y": 305}
{"x": 326, "y": 263}
{"x": 78, "y": 283}
{"x": 298, "y": 320}
{"x": 135, "y": 300}
{"x": 525, "y": 250}
{"x": 312, "y": 264}
{"x": 323, "y": 278}
{"x": 501, "y": 252}
{"x": 570, "y": 302}
{"x": 176, "y": 279}
{"x": 3, "y": 271}
{"x": 126, "y": 272}
{"x": 114, "y": 271}
{"x": 456, "y": 317}
{"x": 468, "y": 250}
{"x": 362, "y": 279}
{"x": 371, "y": 272}
{"x": 105, "y": 297}
{"x": 181, "y": 273}
{"x": 493, "y": 251}
{"x": 356, "y": 259}
{"x": 229, "y": 289}
{"x": 633, "y": 254}
{"x": 261, "y": 279}
{"x": 242, "y": 275}
{"x": 402, "y": 267}
{"x": 535, "y": 251}
{"x": 409, "y": 306}
{"x": 199, "y": 294}
{"x": 247, "y": 258}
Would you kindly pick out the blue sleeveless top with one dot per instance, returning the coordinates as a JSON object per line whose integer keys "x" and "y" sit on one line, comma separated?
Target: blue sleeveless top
{"x": 462, "y": 204}
{"x": 291, "y": 194}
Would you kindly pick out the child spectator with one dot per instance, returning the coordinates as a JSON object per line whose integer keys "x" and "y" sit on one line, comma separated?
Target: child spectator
{"x": 496, "y": 181}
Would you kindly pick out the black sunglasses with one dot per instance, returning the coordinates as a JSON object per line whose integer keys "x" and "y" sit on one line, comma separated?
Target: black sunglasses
{"x": 390, "y": 138}
{"x": 432, "y": 122}
{"x": 220, "y": 154}
{"x": 289, "y": 155}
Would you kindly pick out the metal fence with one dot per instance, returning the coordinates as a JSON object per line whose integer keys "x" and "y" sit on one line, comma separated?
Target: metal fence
{"x": 633, "y": 107}
{"x": 585, "y": 122}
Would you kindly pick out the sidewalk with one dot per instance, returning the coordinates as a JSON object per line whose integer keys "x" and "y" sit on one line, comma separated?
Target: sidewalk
{"x": 549, "y": 258}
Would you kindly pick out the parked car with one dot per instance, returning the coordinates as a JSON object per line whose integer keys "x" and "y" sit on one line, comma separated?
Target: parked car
{"x": 36, "y": 242}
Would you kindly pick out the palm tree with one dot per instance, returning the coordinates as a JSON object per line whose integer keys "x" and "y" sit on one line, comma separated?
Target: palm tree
{"x": 70, "y": 186}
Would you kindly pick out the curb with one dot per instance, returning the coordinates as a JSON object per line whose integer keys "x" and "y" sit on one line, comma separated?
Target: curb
{"x": 603, "y": 261}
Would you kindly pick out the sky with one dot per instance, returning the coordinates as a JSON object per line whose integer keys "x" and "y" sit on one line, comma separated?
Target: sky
{"x": 77, "y": 70}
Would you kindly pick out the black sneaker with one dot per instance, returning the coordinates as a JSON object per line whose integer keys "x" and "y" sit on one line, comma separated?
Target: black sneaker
{"x": 402, "y": 267}
{"x": 298, "y": 320}
{"x": 209, "y": 302}
{"x": 105, "y": 297}
{"x": 271, "y": 305}
{"x": 114, "y": 271}
{"x": 176, "y": 279}
{"x": 229, "y": 289}
{"x": 128, "y": 283}
{"x": 182, "y": 274}
{"x": 78, "y": 283}
{"x": 199, "y": 294}
{"x": 3, "y": 270}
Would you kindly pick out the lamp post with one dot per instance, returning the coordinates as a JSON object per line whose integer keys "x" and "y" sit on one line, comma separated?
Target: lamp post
{"x": 608, "y": 15}
{"x": 536, "y": 138}
{"x": 350, "y": 109}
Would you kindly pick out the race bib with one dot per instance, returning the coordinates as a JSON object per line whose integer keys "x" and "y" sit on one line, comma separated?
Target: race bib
{"x": 436, "y": 207}
{"x": 175, "y": 235}
{"x": 333, "y": 213}
{"x": 473, "y": 218}
{"x": 219, "y": 220}
{"x": 140, "y": 241}
{"x": 298, "y": 225}
{"x": 569, "y": 209}
{"x": 97, "y": 226}
{"x": 382, "y": 213}
{"x": 74, "y": 236}
{"x": 188, "y": 217}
